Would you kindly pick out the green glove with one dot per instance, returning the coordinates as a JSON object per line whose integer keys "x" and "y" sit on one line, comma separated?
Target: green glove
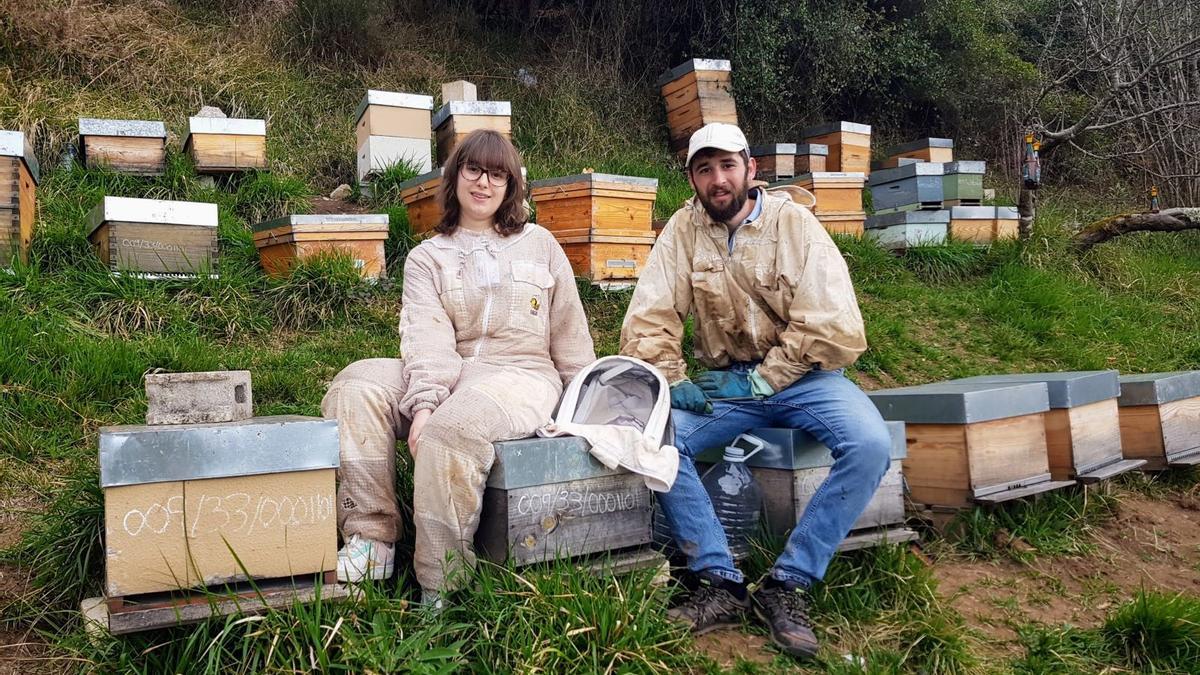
{"x": 725, "y": 384}
{"x": 685, "y": 395}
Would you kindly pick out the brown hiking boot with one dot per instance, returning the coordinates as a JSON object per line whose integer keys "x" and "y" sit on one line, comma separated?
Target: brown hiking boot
{"x": 785, "y": 612}
{"x": 714, "y": 604}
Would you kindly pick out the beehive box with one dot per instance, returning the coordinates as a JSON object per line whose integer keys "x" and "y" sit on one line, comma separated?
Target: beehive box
{"x": 775, "y": 162}
{"x": 225, "y": 145}
{"x": 393, "y": 128}
{"x": 696, "y": 92}
{"x": 130, "y": 146}
{"x": 844, "y": 223}
{"x": 848, "y": 143}
{"x": 793, "y": 464}
{"x": 456, "y": 119}
{"x": 18, "y": 196}
{"x": 421, "y": 198}
{"x": 905, "y": 229}
{"x": 811, "y": 158}
{"x": 1083, "y": 435}
{"x": 939, "y": 150}
{"x": 1007, "y": 225}
{"x": 972, "y": 442}
{"x": 283, "y": 241}
{"x": 199, "y": 505}
{"x": 962, "y": 183}
{"x": 548, "y": 498}
{"x": 837, "y": 193}
{"x": 155, "y": 237}
{"x": 1160, "y": 418}
{"x": 907, "y": 188}
{"x": 595, "y": 203}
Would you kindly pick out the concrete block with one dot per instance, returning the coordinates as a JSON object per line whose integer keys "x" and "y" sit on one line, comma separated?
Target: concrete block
{"x": 198, "y": 398}
{"x": 459, "y": 90}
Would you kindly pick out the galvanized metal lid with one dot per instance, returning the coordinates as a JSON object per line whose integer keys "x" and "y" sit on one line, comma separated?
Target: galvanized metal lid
{"x": 1066, "y": 390}
{"x": 773, "y": 149}
{"x": 832, "y": 176}
{"x": 1157, "y": 388}
{"x": 392, "y": 99}
{"x": 906, "y": 171}
{"x": 133, "y": 210}
{"x": 635, "y": 181}
{"x": 691, "y": 65}
{"x": 89, "y": 126}
{"x": 300, "y": 220}
{"x": 830, "y": 127}
{"x": 133, "y": 455}
{"x": 542, "y": 461}
{"x": 1007, "y": 213}
{"x": 812, "y": 149}
{"x": 492, "y": 108}
{"x": 920, "y": 144}
{"x": 792, "y": 449}
{"x": 972, "y": 212}
{"x": 225, "y": 125}
{"x": 879, "y": 221}
{"x": 14, "y": 144}
{"x": 965, "y": 166}
{"x": 423, "y": 178}
{"x": 961, "y": 402}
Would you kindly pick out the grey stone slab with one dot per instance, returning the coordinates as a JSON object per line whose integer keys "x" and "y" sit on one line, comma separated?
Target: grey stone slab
{"x": 964, "y": 166}
{"x": 812, "y": 149}
{"x": 327, "y": 219}
{"x": 635, "y": 181}
{"x": 89, "y": 126}
{"x": 392, "y": 99}
{"x": 774, "y": 149}
{"x": 929, "y": 217}
{"x": 136, "y": 454}
{"x": 541, "y": 461}
{"x": 899, "y": 173}
{"x": 134, "y": 210}
{"x": 197, "y": 398}
{"x": 972, "y": 213}
{"x": 490, "y": 108}
{"x": 14, "y": 144}
{"x": 1066, "y": 390}
{"x": 1159, "y": 388}
{"x": 793, "y": 449}
{"x": 692, "y": 65}
{"x": 831, "y": 127}
{"x": 921, "y": 143}
{"x": 960, "y": 402}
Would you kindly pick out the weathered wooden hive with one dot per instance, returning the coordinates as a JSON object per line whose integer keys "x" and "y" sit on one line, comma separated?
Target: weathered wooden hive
{"x": 18, "y": 196}
{"x": 972, "y": 442}
{"x": 420, "y": 196}
{"x": 1160, "y": 418}
{"x": 154, "y": 236}
{"x": 848, "y": 143}
{"x": 456, "y": 119}
{"x": 909, "y": 187}
{"x": 226, "y": 145}
{"x": 136, "y": 147}
{"x": 902, "y": 230}
{"x": 696, "y": 93}
{"x": 603, "y": 221}
{"x": 838, "y": 197}
{"x": 982, "y": 224}
{"x": 1083, "y": 434}
{"x": 283, "y": 241}
{"x": 811, "y": 158}
{"x": 939, "y": 150}
{"x": 393, "y": 128}
{"x": 775, "y": 162}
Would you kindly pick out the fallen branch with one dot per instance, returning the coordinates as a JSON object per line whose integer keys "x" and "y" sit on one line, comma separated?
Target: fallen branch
{"x": 1168, "y": 220}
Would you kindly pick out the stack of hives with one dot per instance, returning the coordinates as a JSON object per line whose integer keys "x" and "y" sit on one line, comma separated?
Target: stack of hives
{"x": 461, "y": 114}
{"x": 393, "y": 128}
{"x": 18, "y": 196}
{"x": 604, "y": 222}
{"x": 696, "y": 92}
{"x": 832, "y": 165}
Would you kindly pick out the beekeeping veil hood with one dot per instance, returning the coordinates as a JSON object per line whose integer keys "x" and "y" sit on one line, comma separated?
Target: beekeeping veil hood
{"x": 622, "y": 406}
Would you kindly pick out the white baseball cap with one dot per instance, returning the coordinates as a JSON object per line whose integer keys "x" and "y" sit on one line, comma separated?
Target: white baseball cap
{"x": 719, "y": 135}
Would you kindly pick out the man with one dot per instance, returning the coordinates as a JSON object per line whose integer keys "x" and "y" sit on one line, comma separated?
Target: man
{"x": 775, "y": 321}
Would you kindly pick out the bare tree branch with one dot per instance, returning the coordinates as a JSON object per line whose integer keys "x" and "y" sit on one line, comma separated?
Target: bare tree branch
{"x": 1170, "y": 220}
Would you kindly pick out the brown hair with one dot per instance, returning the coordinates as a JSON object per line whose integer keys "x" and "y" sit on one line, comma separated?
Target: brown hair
{"x": 489, "y": 150}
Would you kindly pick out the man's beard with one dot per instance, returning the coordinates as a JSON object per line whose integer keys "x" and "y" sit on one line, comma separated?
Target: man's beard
{"x": 739, "y": 195}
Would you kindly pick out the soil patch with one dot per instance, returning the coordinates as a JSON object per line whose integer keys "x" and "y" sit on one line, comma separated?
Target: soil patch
{"x": 726, "y": 646}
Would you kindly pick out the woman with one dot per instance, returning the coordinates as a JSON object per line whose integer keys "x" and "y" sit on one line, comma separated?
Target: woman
{"x": 491, "y": 329}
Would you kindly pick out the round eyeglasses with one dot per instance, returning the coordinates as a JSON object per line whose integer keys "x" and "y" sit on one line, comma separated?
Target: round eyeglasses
{"x": 497, "y": 177}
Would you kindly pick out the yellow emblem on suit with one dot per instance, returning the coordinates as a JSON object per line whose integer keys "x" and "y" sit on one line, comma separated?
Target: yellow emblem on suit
{"x": 534, "y": 305}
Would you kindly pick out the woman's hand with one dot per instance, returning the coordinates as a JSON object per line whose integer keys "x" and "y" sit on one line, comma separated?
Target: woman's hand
{"x": 414, "y": 430}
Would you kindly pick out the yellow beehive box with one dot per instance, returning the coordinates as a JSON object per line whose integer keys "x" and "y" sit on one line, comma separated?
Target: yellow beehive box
{"x": 283, "y": 241}
{"x": 456, "y": 119}
{"x": 1160, "y": 418}
{"x": 595, "y": 202}
{"x": 696, "y": 93}
{"x": 18, "y": 196}
{"x": 225, "y": 145}
{"x": 848, "y": 145}
{"x": 421, "y": 197}
{"x": 130, "y": 146}
{"x": 938, "y": 150}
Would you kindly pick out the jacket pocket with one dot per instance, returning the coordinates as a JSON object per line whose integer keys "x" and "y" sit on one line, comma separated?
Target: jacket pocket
{"x": 529, "y": 301}
{"x": 453, "y": 296}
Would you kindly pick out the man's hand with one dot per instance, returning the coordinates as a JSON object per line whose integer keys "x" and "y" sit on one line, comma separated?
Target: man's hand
{"x": 725, "y": 384}
{"x": 685, "y": 395}
{"x": 414, "y": 430}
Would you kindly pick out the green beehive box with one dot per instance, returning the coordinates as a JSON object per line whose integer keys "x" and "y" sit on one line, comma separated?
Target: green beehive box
{"x": 962, "y": 183}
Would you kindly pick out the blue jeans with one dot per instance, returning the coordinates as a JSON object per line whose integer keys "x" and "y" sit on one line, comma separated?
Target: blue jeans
{"x": 835, "y": 412}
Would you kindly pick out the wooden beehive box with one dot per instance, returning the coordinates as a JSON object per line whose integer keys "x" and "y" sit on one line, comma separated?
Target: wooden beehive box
{"x": 18, "y": 196}
{"x": 421, "y": 198}
{"x": 456, "y": 119}
{"x": 837, "y": 193}
{"x": 909, "y": 187}
{"x": 775, "y": 162}
{"x": 548, "y": 498}
{"x": 155, "y": 237}
{"x": 225, "y": 145}
{"x": 595, "y": 203}
{"x": 283, "y": 241}
{"x": 982, "y": 224}
{"x": 848, "y": 143}
{"x": 793, "y": 464}
{"x": 811, "y": 158}
{"x": 962, "y": 183}
{"x": 393, "y": 128}
{"x": 906, "y": 229}
{"x": 695, "y": 93}
{"x": 1160, "y": 418}
{"x": 939, "y": 150}
{"x": 972, "y": 442}
{"x": 1083, "y": 435}
{"x": 130, "y": 146}
{"x": 189, "y": 506}
{"x": 1007, "y": 223}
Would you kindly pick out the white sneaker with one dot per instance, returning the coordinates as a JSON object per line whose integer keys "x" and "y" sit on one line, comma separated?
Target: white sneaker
{"x": 363, "y": 558}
